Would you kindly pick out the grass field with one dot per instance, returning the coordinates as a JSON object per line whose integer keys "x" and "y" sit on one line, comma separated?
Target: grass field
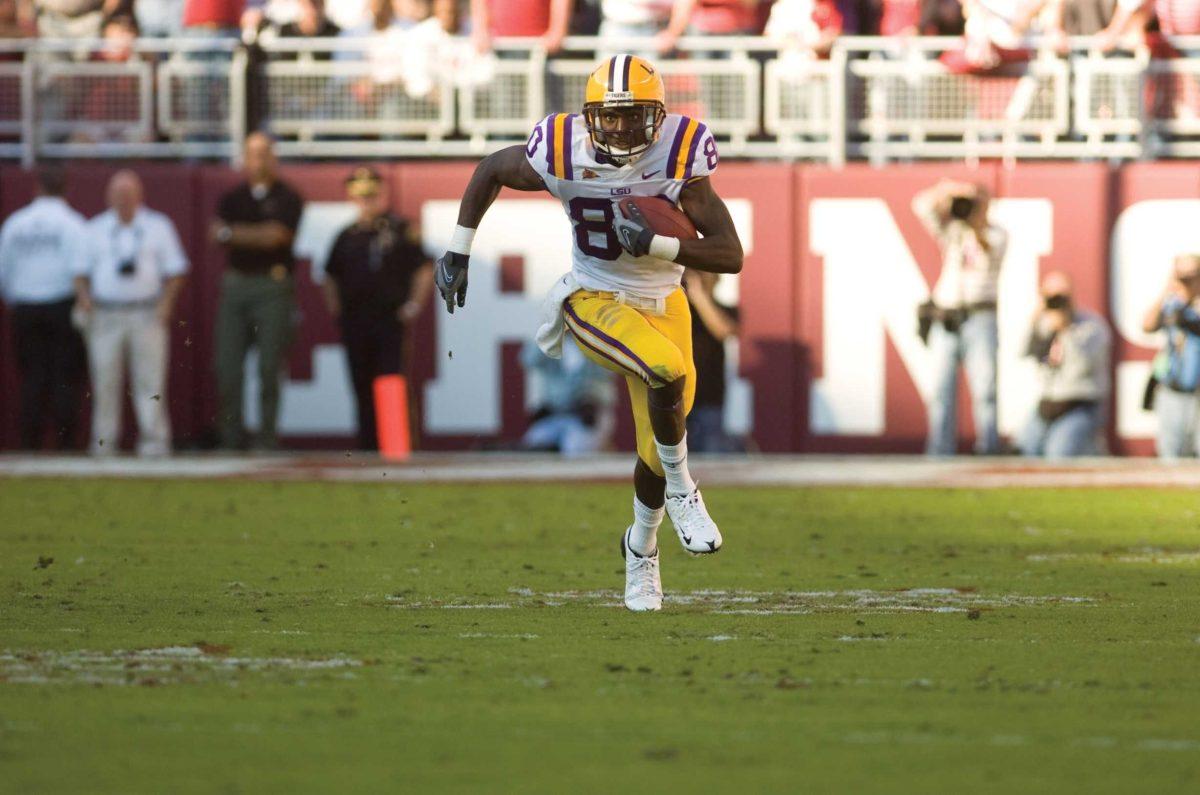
{"x": 228, "y": 636}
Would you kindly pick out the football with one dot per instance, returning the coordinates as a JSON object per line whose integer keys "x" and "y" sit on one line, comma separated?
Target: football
{"x": 663, "y": 217}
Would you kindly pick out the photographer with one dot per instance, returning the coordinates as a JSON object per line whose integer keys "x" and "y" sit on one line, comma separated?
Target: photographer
{"x": 959, "y": 323}
{"x": 126, "y": 295}
{"x": 1072, "y": 349}
{"x": 1177, "y": 371}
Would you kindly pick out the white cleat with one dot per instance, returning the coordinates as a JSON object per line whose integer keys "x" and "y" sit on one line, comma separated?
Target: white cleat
{"x": 696, "y": 530}
{"x": 643, "y": 585}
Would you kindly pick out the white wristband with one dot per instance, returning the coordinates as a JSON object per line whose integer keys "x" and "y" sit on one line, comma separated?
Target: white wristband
{"x": 460, "y": 243}
{"x": 664, "y": 247}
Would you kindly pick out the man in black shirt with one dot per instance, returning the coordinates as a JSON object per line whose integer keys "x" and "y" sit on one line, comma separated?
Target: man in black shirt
{"x": 310, "y": 23}
{"x": 256, "y": 222}
{"x": 712, "y": 324}
{"x": 378, "y": 281}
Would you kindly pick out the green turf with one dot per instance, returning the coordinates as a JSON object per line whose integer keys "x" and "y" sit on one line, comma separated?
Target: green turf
{"x": 562, "y": 692}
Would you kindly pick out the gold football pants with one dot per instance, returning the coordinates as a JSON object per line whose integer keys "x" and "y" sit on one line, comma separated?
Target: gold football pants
{"x": 650, "y": 350}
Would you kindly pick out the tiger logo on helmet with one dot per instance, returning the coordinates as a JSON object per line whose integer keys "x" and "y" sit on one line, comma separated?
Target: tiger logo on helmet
{"x": 624, "y": 107}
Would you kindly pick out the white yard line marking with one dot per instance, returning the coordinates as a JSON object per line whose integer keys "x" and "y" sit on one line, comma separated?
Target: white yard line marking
{"x": 1165, "y": 557}
{"x": 167, "y": 665}
{"x": 919, "y": 600}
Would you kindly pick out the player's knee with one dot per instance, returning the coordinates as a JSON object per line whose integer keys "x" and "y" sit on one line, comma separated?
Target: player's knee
{"x": 671, "y": 369}
{"x": 668, "y": 398}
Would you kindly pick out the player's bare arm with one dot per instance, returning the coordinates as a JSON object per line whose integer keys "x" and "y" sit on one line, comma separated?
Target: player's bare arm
{"x": 507, "y": 168}
{"x": 720, "y": 250}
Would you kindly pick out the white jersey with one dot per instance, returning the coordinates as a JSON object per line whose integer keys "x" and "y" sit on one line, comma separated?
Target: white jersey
{"x": 589, "y": 186}
{"x": 42, "y": 247}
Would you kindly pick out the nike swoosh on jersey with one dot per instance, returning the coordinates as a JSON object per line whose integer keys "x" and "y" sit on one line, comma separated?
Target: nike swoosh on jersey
{"x": 648, "y": 176}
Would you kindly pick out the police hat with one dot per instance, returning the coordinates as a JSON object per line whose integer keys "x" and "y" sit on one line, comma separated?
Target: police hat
{"x": 363, "y": 181}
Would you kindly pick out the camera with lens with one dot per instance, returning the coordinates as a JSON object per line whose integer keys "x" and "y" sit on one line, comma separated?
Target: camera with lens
{"x": 1057, "y": 302}
{"x": 127, "y": 267}
{"x": 961, "y": 207}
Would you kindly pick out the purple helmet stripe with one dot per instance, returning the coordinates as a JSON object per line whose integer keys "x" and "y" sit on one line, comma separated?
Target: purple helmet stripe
{"x": 701, "y": 130}
{"x": 625, "y": 73}
{"x": 612, "y": 66}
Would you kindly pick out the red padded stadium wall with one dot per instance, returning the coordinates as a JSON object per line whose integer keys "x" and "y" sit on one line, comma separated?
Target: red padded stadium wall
{"x": 785, "y": 293}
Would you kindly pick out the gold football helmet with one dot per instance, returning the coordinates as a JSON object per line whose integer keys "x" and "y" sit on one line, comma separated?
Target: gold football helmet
{"x": 624, "y": 107}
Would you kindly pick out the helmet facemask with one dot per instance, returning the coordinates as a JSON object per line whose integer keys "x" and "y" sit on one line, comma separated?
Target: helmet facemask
{"x": 623, "y": 130}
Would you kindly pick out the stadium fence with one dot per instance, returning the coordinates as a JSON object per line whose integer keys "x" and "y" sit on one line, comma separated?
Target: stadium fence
{"x": 876, "y": 99}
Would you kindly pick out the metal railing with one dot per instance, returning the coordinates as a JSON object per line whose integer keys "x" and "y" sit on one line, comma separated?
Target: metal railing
{"x": 873, "y": 98}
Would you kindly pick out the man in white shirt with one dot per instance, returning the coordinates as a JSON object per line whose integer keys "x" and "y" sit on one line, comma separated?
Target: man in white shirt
{"x": 962, "y": 314}
{"x": 40, "y": 246}
{"x": 127, "y": 289}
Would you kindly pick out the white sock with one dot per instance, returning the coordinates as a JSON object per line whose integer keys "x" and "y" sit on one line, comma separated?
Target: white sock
{"x": 674, "y": 464}
{"x": 643, "y": 538}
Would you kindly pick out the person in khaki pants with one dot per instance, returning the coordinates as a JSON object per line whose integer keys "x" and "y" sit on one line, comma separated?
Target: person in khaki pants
{"x": 125, "y": 297}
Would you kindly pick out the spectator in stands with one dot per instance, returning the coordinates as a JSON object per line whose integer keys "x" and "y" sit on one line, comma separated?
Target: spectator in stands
{"x": 547, "y": 19}
{"x": 894, "y": 18}
{"x": 994, "y": 35}
{"x": 75, "y": 19}
{"x": 708, "y": 18}
{"x": 213, "y": 19}
{"x": 633, "y": 18}
{"x": 160, "y": 17}
{"x": 1177, "y": 368}
{"x": 127, "y": 293}
{"x": 1072, "y": 347}
{"x": 15, "y": 22}
{"x": 804, "y": 28}
{"x": 42, "y": 246}
{"x": 120, "y": 34}
{"x": 713, "y": 324}
{"x": 109, "y": 105}
{"x": 959, "y": 323}
{"x": 310, "y": 22}
{"x": 378, "y": 281}
{"x": 1077, "y": 18}
{"x": 450, "y": 16}
{"x": 347, "y": 14}
{"x": 576, "y": 410}
{"x": 256, "y": 223}
{"x": 1131, "y": 18}
{"x": 941, "y": 18}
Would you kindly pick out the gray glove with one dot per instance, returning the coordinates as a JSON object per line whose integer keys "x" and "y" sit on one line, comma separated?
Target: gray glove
{"x": 633, "y": 233}
{"x": 451, "y": 278}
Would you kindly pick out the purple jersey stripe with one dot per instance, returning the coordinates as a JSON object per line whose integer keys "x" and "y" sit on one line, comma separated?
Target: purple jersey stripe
{"x": 673, "y": 157}
{"x": 567, "y": 140}
{"x": 605, "y": 338}
{"x": 550, "y": 144}
{"x": 701, "y": 130}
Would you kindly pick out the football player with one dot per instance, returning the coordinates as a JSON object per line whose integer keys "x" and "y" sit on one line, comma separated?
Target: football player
{"x": 622, "y": 300}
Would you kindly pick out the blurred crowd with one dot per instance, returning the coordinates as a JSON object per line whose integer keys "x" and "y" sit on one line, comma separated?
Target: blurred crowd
{"x": 993, "y": 30}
